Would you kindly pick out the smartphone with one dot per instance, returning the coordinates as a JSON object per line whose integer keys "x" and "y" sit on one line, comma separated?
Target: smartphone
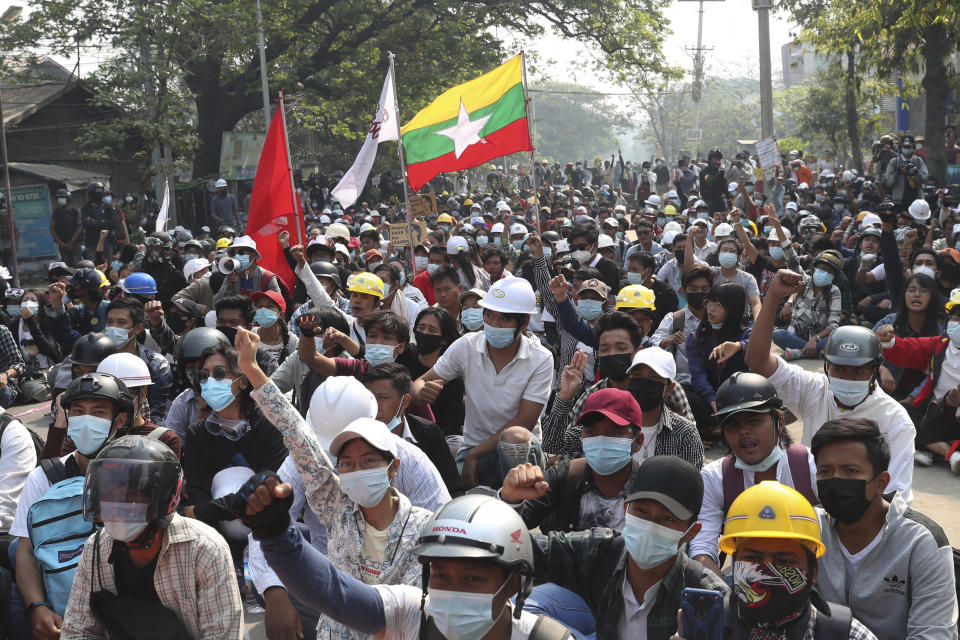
{"x": 701, "y": 614}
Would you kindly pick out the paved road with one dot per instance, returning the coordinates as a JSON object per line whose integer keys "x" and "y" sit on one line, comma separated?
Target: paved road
{"x": 935, "y": 489}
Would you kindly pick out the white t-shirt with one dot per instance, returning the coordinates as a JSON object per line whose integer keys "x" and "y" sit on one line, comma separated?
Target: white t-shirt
{"x": 18, "y": 458}
{"x": 808, "y": 395}
{"x": 401, "y": 611}
{"x": 949, "y": 372}
{"x": 852, "y": 561}
{"x": 34, "y": 488}
{"x": 373, "y": 555}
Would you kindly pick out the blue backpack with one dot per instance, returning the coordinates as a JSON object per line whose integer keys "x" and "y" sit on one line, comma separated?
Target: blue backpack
{"x": 58, "y": 532}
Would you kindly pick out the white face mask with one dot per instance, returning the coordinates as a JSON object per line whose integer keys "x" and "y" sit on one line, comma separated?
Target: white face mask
{"x": 125, "y": 531}
{"x": 366, "y": 487}
{"x": 460, "y": 615}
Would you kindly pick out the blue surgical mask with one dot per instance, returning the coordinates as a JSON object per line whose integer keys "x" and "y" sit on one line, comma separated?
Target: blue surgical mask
{"x": 107, "y": 199}
{"x": 244, "y": 260}
{"x": 420, "y": 262}
{"x": 119, "y": 335}
{"x": 265, "y": 317}
{"x": 499, "y": 337}
{"x": 775, "y": 456}
{"x": 703, "y": 215}
{"x": 62, "y": 202}
{"x": 403, "y": 278}
{"x": 607, "y": 455}
{"x": 619, "y": 235}
{"x": 634, "y": 278}
{"x": 547, "y": 253}
{"x": 849, "y": 393}
{"x": 648, "y": 543}
{"x": 727, "y": 260}
{"x": 497, "y": 240}
{"x": 32, "y": 306}
{"x": 590, "y": 309}
{"x": 377, "y": 354}
{"x": 432, "y": 268}
{"x": 116, "y": 265}
{"x": 217, "y": 393}
{"x": 472, "y": 319}
{"x": 366, "y": 487}
{"x": 482, "y": 240}
{"x": 716, "y": 325}
{"x": 517, "y": 244}
{"x": 767, "y": 229}
{"x": 13, "y": 310}
{"x": 953, "y": 332}
{"x": 191, "y": 256}
{"x": 89, "y": 433}
{"x": 776, "y": 253}
{"x": 443, "y": 227}
{"x": 460, "y": 615}
{"x": 822, "y": 278}
{"x": 749, "y": 188}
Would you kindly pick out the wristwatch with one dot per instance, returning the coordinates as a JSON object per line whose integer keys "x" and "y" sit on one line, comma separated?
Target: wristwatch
{"x": 38, "y": 603}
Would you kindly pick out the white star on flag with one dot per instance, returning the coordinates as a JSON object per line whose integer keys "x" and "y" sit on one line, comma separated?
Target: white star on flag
{"x": 465, "y": 132}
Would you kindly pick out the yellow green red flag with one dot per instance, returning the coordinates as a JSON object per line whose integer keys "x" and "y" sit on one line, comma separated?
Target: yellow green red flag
{"x": 468, "y": 125}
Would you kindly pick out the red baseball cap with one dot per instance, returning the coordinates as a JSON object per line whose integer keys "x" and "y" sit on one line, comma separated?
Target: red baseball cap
{"x": 273, "y": 296}
{"x": 618, "y": 405}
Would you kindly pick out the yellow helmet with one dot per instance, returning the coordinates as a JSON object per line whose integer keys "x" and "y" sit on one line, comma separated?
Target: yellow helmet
{"x": 636, "y": 296}
{"x": 445, "y": 217}
{"x": 104, "y": 282}
{"x": 223, "y": 243}
{"x": 771, "y": 510}
{"x": 366, "y": 283}
{"x": 954, "y": 299}
{"x": 468, "y": 202}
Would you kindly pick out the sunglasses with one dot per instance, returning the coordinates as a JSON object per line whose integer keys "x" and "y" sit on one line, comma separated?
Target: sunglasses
{"x": 219, "y": 373}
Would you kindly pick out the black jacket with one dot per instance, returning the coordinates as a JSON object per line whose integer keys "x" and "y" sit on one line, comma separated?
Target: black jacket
{"x": 432, "y": 442}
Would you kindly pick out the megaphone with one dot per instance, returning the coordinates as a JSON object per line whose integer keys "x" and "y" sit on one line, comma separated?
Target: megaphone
{"x": 227, "y": 265}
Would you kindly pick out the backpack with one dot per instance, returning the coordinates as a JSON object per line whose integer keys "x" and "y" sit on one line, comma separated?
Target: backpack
{"x": 58, "y": 531}
{"x": 38, "y": 442}
{"x": 797, "y": 458}
{"x": 265, "y": 283}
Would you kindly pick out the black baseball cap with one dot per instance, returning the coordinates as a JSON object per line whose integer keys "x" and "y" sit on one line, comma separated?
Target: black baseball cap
{"x": 671, "y": 481}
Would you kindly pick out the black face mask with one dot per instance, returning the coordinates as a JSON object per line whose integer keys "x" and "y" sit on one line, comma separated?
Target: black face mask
{"x": 427, "y": 342}
{"x": 679, "y": 256}
{"x": 844, "y": 498}
{"x": 615, "y": 366}
{"x": 230, "y": 332}
{"x": 648, "y": 393}
{"x": 176, "y": 322}
{"x": 695, "y": 300}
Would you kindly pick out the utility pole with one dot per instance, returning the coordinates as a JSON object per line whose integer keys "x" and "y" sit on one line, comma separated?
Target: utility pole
{"x": 263, "y": 72}
{"x": 762, "y": 7}
{"x": 697, "y": 87}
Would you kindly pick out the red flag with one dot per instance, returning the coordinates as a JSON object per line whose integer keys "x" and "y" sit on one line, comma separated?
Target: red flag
{"x": 272, "y": 206}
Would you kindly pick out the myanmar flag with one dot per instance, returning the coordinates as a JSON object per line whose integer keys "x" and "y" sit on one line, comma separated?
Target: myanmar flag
{"x": 468, "y": 125}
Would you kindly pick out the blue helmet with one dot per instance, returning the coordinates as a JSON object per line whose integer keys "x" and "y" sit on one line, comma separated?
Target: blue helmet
{"x": 140, "y": 283}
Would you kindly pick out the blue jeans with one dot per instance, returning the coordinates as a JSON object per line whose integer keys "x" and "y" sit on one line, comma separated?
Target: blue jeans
{"x": 564, "y": 606}
{"x": 786, "y": 340}
{"x": 492, "y": 468}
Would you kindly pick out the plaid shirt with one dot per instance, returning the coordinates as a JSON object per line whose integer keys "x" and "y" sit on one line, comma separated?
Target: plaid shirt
{"x": 10, "y": 357}
{"x": 813, "y": 312}
{"x": 194, "y": 578}
{"x": 593, "y": 565}
{"x": 678, "y": 435}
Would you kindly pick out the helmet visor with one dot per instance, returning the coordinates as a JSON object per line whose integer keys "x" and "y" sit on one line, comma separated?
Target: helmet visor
{"x": 125, "y": 490}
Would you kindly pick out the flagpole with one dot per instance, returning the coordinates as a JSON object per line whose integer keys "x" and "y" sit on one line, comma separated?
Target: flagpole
{"x": 293, "y": 188}
{"x": 533, "y": 168}
{"x": 403, "y": 168}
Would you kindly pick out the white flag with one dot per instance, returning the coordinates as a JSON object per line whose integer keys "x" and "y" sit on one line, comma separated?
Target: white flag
{"x": 383, "y": 127}
{"x": 164, "y": 207}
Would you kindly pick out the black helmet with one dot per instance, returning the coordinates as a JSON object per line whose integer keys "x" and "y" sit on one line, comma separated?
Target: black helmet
{"x": 93, "y": 186}
{"x": 63, "y": 193}
{"x": 327, "y": 270}
{"x": 853, "y": 346}
{"x": 745, "y": 391}
{"x": 133, "y": 466}
{"x": 206, "y": 247}
{"x": 99, "y": 385}
{"x": 714, "y": 153}
{"x": 163, "y": 237}
{"x": 550, "y": 236}
{"x": 194, "y": 343}
{"x": 86, "y": 279}
{"x": 194, "y": 244}
{"x": 91, "y": 349}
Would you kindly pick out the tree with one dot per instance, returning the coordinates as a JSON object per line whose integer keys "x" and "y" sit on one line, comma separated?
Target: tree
{"x": 572, "y": 122}
{"x": 316, "y": 47}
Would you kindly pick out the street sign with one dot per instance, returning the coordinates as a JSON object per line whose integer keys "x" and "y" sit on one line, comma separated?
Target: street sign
{"x": 423, "y": 205}
{"x": 31, "y": 206}
{"x": 694, "y": 134}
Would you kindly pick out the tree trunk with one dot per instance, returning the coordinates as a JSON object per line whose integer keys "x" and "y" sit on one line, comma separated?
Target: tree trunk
{"x": 850, "y": 102}
{"x": 935, "y": 86}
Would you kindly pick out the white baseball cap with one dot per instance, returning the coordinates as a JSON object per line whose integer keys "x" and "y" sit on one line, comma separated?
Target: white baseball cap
{"x": 193, "y": 266}
{"x": 370, "y": 429}
{"x": 657, "y": 359}
{"x": 604, "y": 241}
{"x": 791, "y": 205}
{"x": 457, "y": 244}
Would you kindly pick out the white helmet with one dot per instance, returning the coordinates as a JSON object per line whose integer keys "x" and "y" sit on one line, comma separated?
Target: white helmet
{"x": 511, "y": 295}
{"x": 672, "y": 227}
{"x": 194, "y": 265}
{"x": 604, "y": 241}
{"x": 919, "y": 209}
{"x": 497, "y": 228}
{"x": 869, "y": 220}
{"x": 226, "y": 482}
{"x": 338, "y": 230}
{"x": 336, "y": 403}
{"x": 457, "y": 244}
{"x": 517, "y": 229}
{"x": 220, "y": 183}
{"x": 848, "y": 176}
{"x": 129, "y": 368}
{"x": 653, "y": 200}
{"x": 723, "y": 230}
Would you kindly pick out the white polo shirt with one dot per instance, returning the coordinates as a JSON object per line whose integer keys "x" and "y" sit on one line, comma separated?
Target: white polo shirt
{"x": 633, "y": 618}
{"x": 493, "y": 399}
{"x": 808, "y": 395}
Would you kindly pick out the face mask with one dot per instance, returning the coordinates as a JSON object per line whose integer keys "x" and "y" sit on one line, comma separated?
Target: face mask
{"x": 695, "y": 300}
{"x": 703, "y": 215}
{"x": 769, "y": 593}
{"x": 607, "y": 455}
{"x": 177, "y": 323}
{"x": 432, "y": 268}
{"x": 615, "y": 366}
{"x": 749, "y": 188}
{"x": 427, "y": 342}
{"x": 191, "y": 256}
{"x": 244, "y": 261}
{"x": 128, "y": 199}
{"x": 125, "y": 531}
{"x": 716, "y": 325}
{"x": 403, "y": 278}
{"x": 89, "y": 433}
{"x": 634, "y": 278}
{"x": 13, "y": 310}
{"x": 444, "y": 227}
{"x": 844, "y": 498}
{"x": 377, "y": 354}
{"x": 547, "y": 253}
{"x": 517, "y": 244}
{"x": 953, "y": 332}
{"x": 460, "y": 615}
{"x": 849, "y": 393}
{"x": 838, "y": 207}
{"x": 843, "y": 192}
{"x": 420, "y": 262}
{"x": 62, "y": 202}
{"x": 31, "y": 306}
{"x": 924, "y": 270}
{"x": 499, "y": 337}
{"x": 776, "y": 253}
{"x": 619, "y": 235}
{"x": 648, "y": 543}
{"x": 822, "y": 278}
{"x": 472, "y": 319}
{"x": 906, "y": 154}
{"x": 590, "y": 309}
{"x": 116, "y": 265}
{"x": 497, "y": 240}
{"x": 119, "y": 335}
{"x": 367, "y": 487}
{"x": 265, "y": 317}
{"x": 482, "y": 240}
{"x": 818, "y": 197}
{"x": 647, "y": 393}
{"x": 582, "y": 256}
{"x": 727, "y": 260}
{"x": 661, "y": 221}
{"x": 679, "y": 255}
{"x": 107, "y": 199}
{"x": 764, "y": 464}
{"x": 217, "y": 393}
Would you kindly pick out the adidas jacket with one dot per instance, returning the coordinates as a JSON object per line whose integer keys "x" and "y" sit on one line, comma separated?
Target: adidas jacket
{"x": 904, "y": 588}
